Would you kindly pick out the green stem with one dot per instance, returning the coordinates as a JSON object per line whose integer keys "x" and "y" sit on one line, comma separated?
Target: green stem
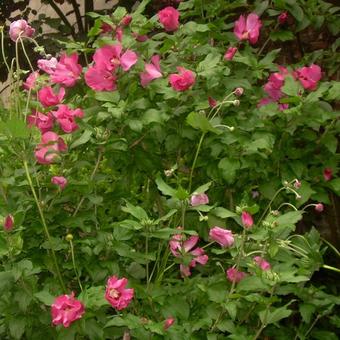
{"x": 74, "y": 265}
{"x": 25, "y": 53}
{"x": 195, "y": 159}
{"x": 3, "y": 50}
{"x": 336, "y": 251}
{"x": 42, "y": 217}
{"x": 331, "y": 268}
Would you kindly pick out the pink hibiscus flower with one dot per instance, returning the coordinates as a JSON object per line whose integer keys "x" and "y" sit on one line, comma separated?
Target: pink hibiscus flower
{"x": 20, "y": 28}
{"x": 116, "y": 294}
{"x": 66, "y": 117}
{"x": 31, "y": 80}
{"x": 48, "y": 65}
{"x": 43, "y": 122}
{"x": 233, "y": 275}
{"x": 49, "y": 148}
{"x": 262, "y": 263}
{"x": 60, "y": 181}
{"x": 248, "y": 29}
{"x": 152, "y": 71}
{"x": 309, "y": 76}
{"x": 184, "y": 248}
{"x": 48, "y": 98}
{"x": 183, "y": 80}
{"x": 66, "y": 309}
{"x": 67, "y": 71}
{"x": 168, "y": 17}
{"x": 229, "y": 55}
{"x": 223, "y": 237}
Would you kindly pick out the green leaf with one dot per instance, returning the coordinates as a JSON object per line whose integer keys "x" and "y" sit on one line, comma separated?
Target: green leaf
{"x": 281, "y": 36}
{"x": 17, "y": 327}
{"x": 203, "y": 188}
{"x": 112, "y": 97}
{"x": 84, "y": 138}
{"x": 15, "y": 128}
{"x": 252, "y": 283}
{"x": 130, "y": 321}
{"x": 135, "y": 211}
{"x": 192, "y": 27}
{"x": 290, "y": 218}
{"x": 228, "y": 168}
{"x": 335, "y": 185}
{"x": 223, "y": 213}
{"x": 306, "y": 311}
{"x": 272, "y": 316}
{"x": 208, "y": 66}
{"x": 93, "y": 297}
{"x": 164, "y": 188}
{"x": 199, "y": 121}
{"x": 45, "y": 297}
{"x": 136, "y": 270}
{"x": 334, "y": 92}
{"x": 267, "y": 61}
{"x": 291, "y": 86}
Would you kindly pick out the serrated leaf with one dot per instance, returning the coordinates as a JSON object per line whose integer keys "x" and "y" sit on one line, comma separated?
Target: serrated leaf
{"x": 223, "y": 213}
{"x": 84, "y": 138}
{"x": 291, "y": 87}
{"x": 200, "y": 122}
{"x": 165, "y": 188}
{"x": 203, "y": 188}
{"x": 135, "y": 211}
{"x": 45, "y": 297}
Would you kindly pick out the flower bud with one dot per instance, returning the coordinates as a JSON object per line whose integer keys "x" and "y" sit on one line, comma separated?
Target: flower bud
{"x": 319, "y": 207}
{"x": 282, "y": 18}
{"x": 69, "y": 237}
{"x": 297, "y": 184}
{"x": 9, "y": 223}
{"x": 239, "y": 91}
{"x": 236, "y": 102}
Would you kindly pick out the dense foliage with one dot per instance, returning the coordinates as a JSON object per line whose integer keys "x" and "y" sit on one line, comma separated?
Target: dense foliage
{"x": 153, "y": 176}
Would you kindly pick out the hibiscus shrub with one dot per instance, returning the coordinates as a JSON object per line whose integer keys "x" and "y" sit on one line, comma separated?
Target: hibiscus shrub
{"x": 152, "y": 179}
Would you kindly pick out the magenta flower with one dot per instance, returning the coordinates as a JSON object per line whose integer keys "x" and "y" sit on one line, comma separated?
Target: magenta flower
{"x": 106, "y": 28}
{"x": 183, "y": 248}
{"x": 229, "y": 55}
{"x": 48, "y": 65}
{"x": 199, "y": 199}
{"x": 126, "y": 20}
{"x": 139, "y": 37}
{"x": 66, "y": 309}
{"x": 49, "y": 148}
{"x": 20, "y": 28}
{"x": 110, "y": 57}
{"x": 247, "y": 220}
{"x": 116, "y": 294}
{"x": 239, "y": 91}
{"x": 48, "y": 98}
{"x": 223, "y": 237}
{"x": 43, "y": 122}
{"x": 152, "y": 71}
{"x": 100, "y": 79}
{"x": 67, "y": 71}
{"x": 31, "y": 80}
{"x": 212, "y": 102}
{"x": 282, "y": 18}
{"x": 183, "y": 80}
{"x": 168, "y": 323}
{"x": 262, "y": 263}
{"x": 169, "y": 17}
{"x": 66, "y": 117}
{"x": 248, "y": 29}
{"x": 309, "y": 76}
{"x": 60, "y": 181}
{"x": 233, "y": 275}
{"x": 319, "y": 207}
{"x": 9, "y": 222}
{"x": 327, "y": 174}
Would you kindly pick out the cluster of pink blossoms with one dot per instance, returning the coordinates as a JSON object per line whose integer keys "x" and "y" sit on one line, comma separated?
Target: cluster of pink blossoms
{"x": 67, "y": 309}
{"x": 308, "y": 77}
{"x": 183, "y": 248}
{"x": 64, "y": 72}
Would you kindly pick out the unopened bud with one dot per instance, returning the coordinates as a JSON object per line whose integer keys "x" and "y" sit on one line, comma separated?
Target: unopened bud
{"x": 298, "y": 197}
{"x": 9, "y": 223}
{"x": 319, "y": 207}
{"x": 239, "y": 91}
{"x": 236, "y": 102}
{"x": 69, "y": 237}
{"x": 297, "y": 184}
{"x": 168, "y": 173}
{"x": 203, "y": 218}
{"x": 275, "y": 212}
